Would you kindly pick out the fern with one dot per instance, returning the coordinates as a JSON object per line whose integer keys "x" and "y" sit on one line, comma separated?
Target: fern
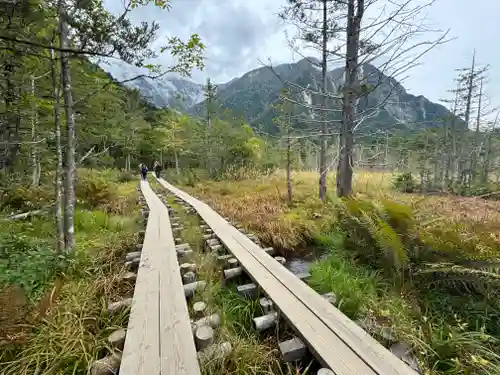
{"x": 484, "y": 281}
{"x": 377, "y": 233}
{"x": 388, "y": 240}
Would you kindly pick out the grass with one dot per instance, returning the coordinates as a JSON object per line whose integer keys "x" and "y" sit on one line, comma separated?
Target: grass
{"x": 433, "y": 324}
{"x": 251, "y": 354}
{"x": 261, "y": 205}
{"x": 452, "y": 330}
{"x": 59, "y": 322}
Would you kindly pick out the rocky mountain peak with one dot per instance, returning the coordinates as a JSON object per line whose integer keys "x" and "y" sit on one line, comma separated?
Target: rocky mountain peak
{"x": 252, "y": 94}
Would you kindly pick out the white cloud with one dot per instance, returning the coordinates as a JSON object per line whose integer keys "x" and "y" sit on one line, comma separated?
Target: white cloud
{"x": 238, "y": 33}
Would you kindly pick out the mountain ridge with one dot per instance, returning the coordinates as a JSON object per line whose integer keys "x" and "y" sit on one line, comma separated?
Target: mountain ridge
{"x": 252, "y": 95}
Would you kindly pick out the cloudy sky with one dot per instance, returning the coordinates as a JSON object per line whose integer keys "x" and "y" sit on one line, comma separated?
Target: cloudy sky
{"x": 238, "y": 33}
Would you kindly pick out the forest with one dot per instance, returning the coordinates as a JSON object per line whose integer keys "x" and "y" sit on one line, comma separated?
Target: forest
{"x": 405, "y": 218}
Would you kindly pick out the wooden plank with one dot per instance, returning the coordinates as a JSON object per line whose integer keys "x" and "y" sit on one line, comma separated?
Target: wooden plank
{"x": 322, "y": 341}
{"x": 177, "y": 347}
{"x": 140, "y": 353}
{"x": 368, "y": 349}
{"x": 159, "y": 338}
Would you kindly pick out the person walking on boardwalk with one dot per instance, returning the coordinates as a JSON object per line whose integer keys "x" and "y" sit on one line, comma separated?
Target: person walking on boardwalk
{"x": 144, "y": 171}
{"x": 157, "y": 169}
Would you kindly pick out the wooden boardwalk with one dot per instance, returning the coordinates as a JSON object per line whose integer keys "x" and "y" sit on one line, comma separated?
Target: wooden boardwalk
{"x": 159, "y": 338}
{"x": 336, "y": 341}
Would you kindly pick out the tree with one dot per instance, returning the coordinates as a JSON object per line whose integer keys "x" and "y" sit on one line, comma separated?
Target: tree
{"x": 317, "y": 28}
{"x": 210, "y": 97}
{"x": 76, "y": 31}
{"x": 284, "y": 123}
{"x": 386, "y": 38}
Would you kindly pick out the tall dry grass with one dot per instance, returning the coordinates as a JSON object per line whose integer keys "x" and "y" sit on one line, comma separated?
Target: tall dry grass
{"x": 261, "y": 204}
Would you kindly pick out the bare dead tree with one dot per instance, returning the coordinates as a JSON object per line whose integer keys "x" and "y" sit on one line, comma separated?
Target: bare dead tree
{"x": 371, "y": 39}
{"x": 317, "y": 28}
{"x": 470, "y": 97}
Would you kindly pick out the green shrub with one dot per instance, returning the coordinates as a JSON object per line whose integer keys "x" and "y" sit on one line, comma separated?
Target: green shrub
{"x": 404, "y": 182}
{"x": 94, "y": 191}
{"x": 191, "y": 177}
{"x": 126, "y": 177}
{"x": 25, "y": 198}
{"x": 28, "y": 262}
{"x": 487, "y": 191}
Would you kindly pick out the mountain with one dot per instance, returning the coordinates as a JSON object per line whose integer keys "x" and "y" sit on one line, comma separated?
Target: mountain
{"x": 169, "y": 91}
{"x": 253, "y": 94}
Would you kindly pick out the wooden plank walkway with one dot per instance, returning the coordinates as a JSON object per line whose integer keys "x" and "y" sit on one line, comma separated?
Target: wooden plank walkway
{"x": 159, "y": 339}
{"x": 336, "y": 341}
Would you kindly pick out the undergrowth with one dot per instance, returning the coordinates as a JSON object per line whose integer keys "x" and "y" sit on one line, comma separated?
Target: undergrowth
{"x": 53, "y": 314}
{"x": 396, "y": 272}
{"x": 425, "y": 266}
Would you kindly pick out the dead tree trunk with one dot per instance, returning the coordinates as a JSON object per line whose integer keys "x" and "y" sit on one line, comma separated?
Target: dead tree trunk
{"x": 350, "y": 94}
{"x": 486, "y": 165}
{"x": 127, "y": 163}
{"x": 324, "y": 142}
{"x": 35, "y": 157}
{"x": 61, "y": 243}
{"x": 70, "y": 172}
{"x": 289, "y": 167}
{"x": 176, "y": 157}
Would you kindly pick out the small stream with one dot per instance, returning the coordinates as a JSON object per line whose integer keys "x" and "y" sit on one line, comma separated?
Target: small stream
{"x": 299, "y": 264}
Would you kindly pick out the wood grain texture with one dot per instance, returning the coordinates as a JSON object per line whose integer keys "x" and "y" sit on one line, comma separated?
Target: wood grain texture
{"x": 337, "y": 341}
{"x": 159, "y": 338}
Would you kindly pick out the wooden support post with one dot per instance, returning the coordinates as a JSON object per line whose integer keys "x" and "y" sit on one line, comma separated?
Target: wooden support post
{"x": 281, "y": 260}
{"x": 132, "y": 255}
{"x": 119, "y": 306}
{"x": 249, "y": 291}
{"x": 213, "y": 352}
{"x": 133, "y": 265}
{"x": 222, "y": 259}
{"x": 199, "y": 309}
{"x": 189, "y": 277}
{"x": 232, "y": 273}
{"x": 266, "y": 305}
{"x": 210, "y": 320}
{"x": 325, "y": 371}
{"x": 190, "y": 289}
{"x": 269, "y": 250}
{"x": 261, "y": 323}
{"x": 292, "y": 350}
{"x": 129, "y": 277}
{"x": 204, "y": 336}
{"x": 330, "y": 297}
{"x": 117, "y": 338}
{"x": 187, "y": 267}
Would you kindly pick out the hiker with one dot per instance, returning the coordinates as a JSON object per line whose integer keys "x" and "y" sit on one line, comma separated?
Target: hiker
{"x": 157, "y": 169}
{"x": 144, "y": 171}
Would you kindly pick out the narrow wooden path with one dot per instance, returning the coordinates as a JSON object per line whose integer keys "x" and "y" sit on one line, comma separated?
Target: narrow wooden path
{"x": 159, "y": 337}
{"x": 336, "y": 341}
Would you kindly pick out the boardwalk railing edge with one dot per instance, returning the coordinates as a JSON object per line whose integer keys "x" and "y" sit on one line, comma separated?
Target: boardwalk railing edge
{"x": 367, "y": 349}
{"x": 159, "y": 338}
